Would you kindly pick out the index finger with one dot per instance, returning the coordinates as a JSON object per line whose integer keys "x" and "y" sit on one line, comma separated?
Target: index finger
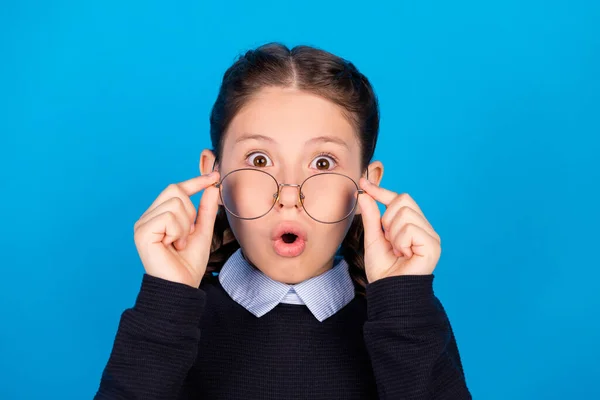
{"x": 380, "y": 194}
{"x": 198, "y": 183}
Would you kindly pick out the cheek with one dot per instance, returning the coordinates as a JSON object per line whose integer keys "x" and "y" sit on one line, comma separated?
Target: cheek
{"x": 249, "y": 233}
{"x": 329, "y": 237}
{"x": 347, "y": 224}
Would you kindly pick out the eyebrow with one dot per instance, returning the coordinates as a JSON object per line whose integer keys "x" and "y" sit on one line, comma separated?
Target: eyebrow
{"x": 318, "y": 139}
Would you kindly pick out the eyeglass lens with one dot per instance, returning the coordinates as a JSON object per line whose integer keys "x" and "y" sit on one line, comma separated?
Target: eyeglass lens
{"x": 251, "y": 193}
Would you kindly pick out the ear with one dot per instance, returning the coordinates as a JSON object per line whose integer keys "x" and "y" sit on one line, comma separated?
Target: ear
{"x": 375, "y": 170}
{"x": 375, "y": 173}
{"x": 207, "y": 161}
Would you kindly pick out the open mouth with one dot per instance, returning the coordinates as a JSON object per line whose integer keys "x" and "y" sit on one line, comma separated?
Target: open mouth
{"x": 289, "y": 237}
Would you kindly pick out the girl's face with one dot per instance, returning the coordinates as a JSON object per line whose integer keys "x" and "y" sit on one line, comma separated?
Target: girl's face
{"x": 291, "y": 135}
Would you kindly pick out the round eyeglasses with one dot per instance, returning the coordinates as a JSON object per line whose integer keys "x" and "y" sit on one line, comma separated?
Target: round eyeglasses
{"x": 250, "y": 193}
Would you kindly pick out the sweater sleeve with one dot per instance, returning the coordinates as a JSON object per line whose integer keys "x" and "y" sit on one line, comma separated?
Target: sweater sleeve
{"x": 156, "y": 343}
{"x": 410, "y": 341}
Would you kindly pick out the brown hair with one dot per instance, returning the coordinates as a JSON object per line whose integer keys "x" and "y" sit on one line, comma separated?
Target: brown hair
{"x": 312, "y": 70}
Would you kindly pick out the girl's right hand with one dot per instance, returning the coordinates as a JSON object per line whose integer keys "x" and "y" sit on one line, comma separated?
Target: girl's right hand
{"x": 172, "y": 238}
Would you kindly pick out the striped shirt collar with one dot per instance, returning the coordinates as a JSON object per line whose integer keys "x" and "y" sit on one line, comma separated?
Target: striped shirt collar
{"x": 324, "y": 295}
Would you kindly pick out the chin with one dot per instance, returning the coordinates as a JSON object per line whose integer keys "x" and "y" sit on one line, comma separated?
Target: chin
{"x": 288, "y": 277}
{"x": 293, "y": 270}
{"x": 290, "y": 270}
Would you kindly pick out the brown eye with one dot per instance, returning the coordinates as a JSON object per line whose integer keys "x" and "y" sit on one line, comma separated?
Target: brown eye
{"x": 323, "y": 163}
{"x": 258, "y": 160}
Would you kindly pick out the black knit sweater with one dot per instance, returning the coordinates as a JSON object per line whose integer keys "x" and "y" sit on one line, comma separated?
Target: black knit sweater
{"x": 178, "y": 342}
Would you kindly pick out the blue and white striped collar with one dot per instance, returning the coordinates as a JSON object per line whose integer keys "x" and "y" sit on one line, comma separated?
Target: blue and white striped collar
{"x": 324, "y": 295}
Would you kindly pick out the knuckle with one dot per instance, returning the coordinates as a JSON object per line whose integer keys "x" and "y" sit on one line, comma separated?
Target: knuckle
{"x": 174, "y": 190}
{"x": 168, "y": 192}
{"x": 175, "y": 206}
{"x": 170, "y": 217}
{"x": 184, "y": 205}
{"x": 173, "y": 187}
{"x": 385, "y": 222}
{"x": 404, "y": 212}
{"x": 188, "y": 208}
{"x": 397, "y": 199}
{"x": 175, "y": 228}
{"x": 178, "y": 204}
{"x": 408, "y": 227}
{"x": 175, "y": 201}
{"x": 404, "y": 197}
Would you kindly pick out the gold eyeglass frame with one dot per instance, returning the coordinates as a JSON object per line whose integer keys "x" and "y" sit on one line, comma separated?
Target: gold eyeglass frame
{"x": 219, "y": 185}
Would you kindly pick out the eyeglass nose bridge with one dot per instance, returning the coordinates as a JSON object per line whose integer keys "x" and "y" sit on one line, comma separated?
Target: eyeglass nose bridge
{"x": 281, "y": 185}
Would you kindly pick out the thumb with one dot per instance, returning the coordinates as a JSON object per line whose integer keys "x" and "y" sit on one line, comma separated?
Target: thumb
{"x": 198, "y": 248}
{"x": 371, "y": 218}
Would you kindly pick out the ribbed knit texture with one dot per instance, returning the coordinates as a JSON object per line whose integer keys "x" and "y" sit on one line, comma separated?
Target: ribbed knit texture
{"x": 395, "y": 344}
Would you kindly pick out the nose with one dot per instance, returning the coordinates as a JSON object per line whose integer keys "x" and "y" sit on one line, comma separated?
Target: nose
{"x": 289, "y": 195}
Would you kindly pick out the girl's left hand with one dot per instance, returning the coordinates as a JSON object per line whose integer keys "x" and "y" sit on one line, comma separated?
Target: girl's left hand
{"x": 402, "y": 242}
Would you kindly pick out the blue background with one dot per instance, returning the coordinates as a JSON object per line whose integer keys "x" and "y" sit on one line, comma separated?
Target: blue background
{"x": 490, "y": 120}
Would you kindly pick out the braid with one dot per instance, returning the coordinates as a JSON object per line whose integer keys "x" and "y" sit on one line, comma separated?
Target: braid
{"x": 352, "y": 250}
{"x": 223, "y": 245}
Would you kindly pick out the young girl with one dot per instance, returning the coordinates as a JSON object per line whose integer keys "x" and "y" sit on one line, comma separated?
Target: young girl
{"x": 287, "y": 282}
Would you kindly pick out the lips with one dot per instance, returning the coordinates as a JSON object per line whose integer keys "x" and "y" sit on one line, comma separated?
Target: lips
{"x": 287, "y": 230}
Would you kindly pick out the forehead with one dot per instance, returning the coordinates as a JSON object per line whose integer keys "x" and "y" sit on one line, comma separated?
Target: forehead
{"x": 291, "y": 117}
